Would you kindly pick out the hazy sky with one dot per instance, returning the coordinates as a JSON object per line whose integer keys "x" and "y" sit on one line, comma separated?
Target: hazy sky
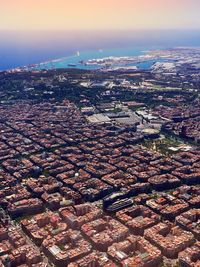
{"x": 99, "y": 14}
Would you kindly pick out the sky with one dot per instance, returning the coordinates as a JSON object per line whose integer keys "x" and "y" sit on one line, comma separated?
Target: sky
{"x": 99, "y": 14}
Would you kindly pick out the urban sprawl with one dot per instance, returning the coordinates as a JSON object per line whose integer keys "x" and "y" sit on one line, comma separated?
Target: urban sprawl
{"x": 101, "y": 168}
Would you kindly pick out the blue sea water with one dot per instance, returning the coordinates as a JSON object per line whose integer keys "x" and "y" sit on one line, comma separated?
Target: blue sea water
{"x": 83, "y": 56}
{"x": 19, "y": 49}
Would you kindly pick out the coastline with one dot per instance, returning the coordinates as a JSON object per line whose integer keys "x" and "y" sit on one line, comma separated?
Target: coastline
{"x": 89, "y": 60}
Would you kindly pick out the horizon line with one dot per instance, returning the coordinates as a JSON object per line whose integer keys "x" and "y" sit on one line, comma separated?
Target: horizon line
{"x": 101, "y": 30}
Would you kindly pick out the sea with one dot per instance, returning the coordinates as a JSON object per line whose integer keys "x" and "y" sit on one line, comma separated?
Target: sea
{"x": 66, "y": 49}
